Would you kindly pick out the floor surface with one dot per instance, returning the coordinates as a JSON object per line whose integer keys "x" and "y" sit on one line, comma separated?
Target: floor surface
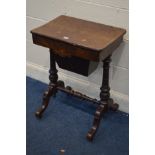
{"x": 65, "y": 124}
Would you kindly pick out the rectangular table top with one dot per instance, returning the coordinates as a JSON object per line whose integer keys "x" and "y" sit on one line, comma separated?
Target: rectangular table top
{"x": 83, "y": 34}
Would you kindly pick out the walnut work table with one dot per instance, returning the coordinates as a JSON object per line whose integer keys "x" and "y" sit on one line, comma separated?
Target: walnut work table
{"x": 77, "y": 45}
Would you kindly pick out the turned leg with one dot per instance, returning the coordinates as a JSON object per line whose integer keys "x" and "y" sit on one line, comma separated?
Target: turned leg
{"x": 53, "y": 77}
{"x": 105, "y": 101}
{"x": 105, "y": 89}
{"x": 104, "y": 96}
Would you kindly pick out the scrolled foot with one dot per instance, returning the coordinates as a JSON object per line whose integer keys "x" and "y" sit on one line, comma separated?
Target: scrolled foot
{"x": 97, "y": 118}
{"x": 68, "y": 88}
{"x": 40, "y": 111}
{"x": 46, "y": 97}
{"x": 38, "y": 114}
{"x": 60, "y": 84}
{"x": 90, "y": 134}
{"x": 113, "y": 106}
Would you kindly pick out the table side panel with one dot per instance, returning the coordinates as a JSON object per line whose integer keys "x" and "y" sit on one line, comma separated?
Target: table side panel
{"x": 65, "y": 49}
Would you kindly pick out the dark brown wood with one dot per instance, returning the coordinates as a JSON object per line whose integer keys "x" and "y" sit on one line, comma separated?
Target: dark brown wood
{"x": 105, "y": 101}
{"x": 46, "y": 98}
{"x": 53, "y": 77}
{"x": 69, "y": 36}
{"x": 70, "y": 91}
{"x": 97, "y": 118}
{"x": 112, "y": 105}
{"x": 64, "y": 49}
{"x": 77, "y": 40}
{"x": 105, "y": 89}
{"x": 74, "y": 64}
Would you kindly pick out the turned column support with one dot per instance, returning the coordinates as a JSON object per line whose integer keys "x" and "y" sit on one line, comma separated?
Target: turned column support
{"x": 53, "y": 77}
{"x": 104, "y": 97}
{"x": 105, "y": 89}
{"x": 105, "y": 101}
